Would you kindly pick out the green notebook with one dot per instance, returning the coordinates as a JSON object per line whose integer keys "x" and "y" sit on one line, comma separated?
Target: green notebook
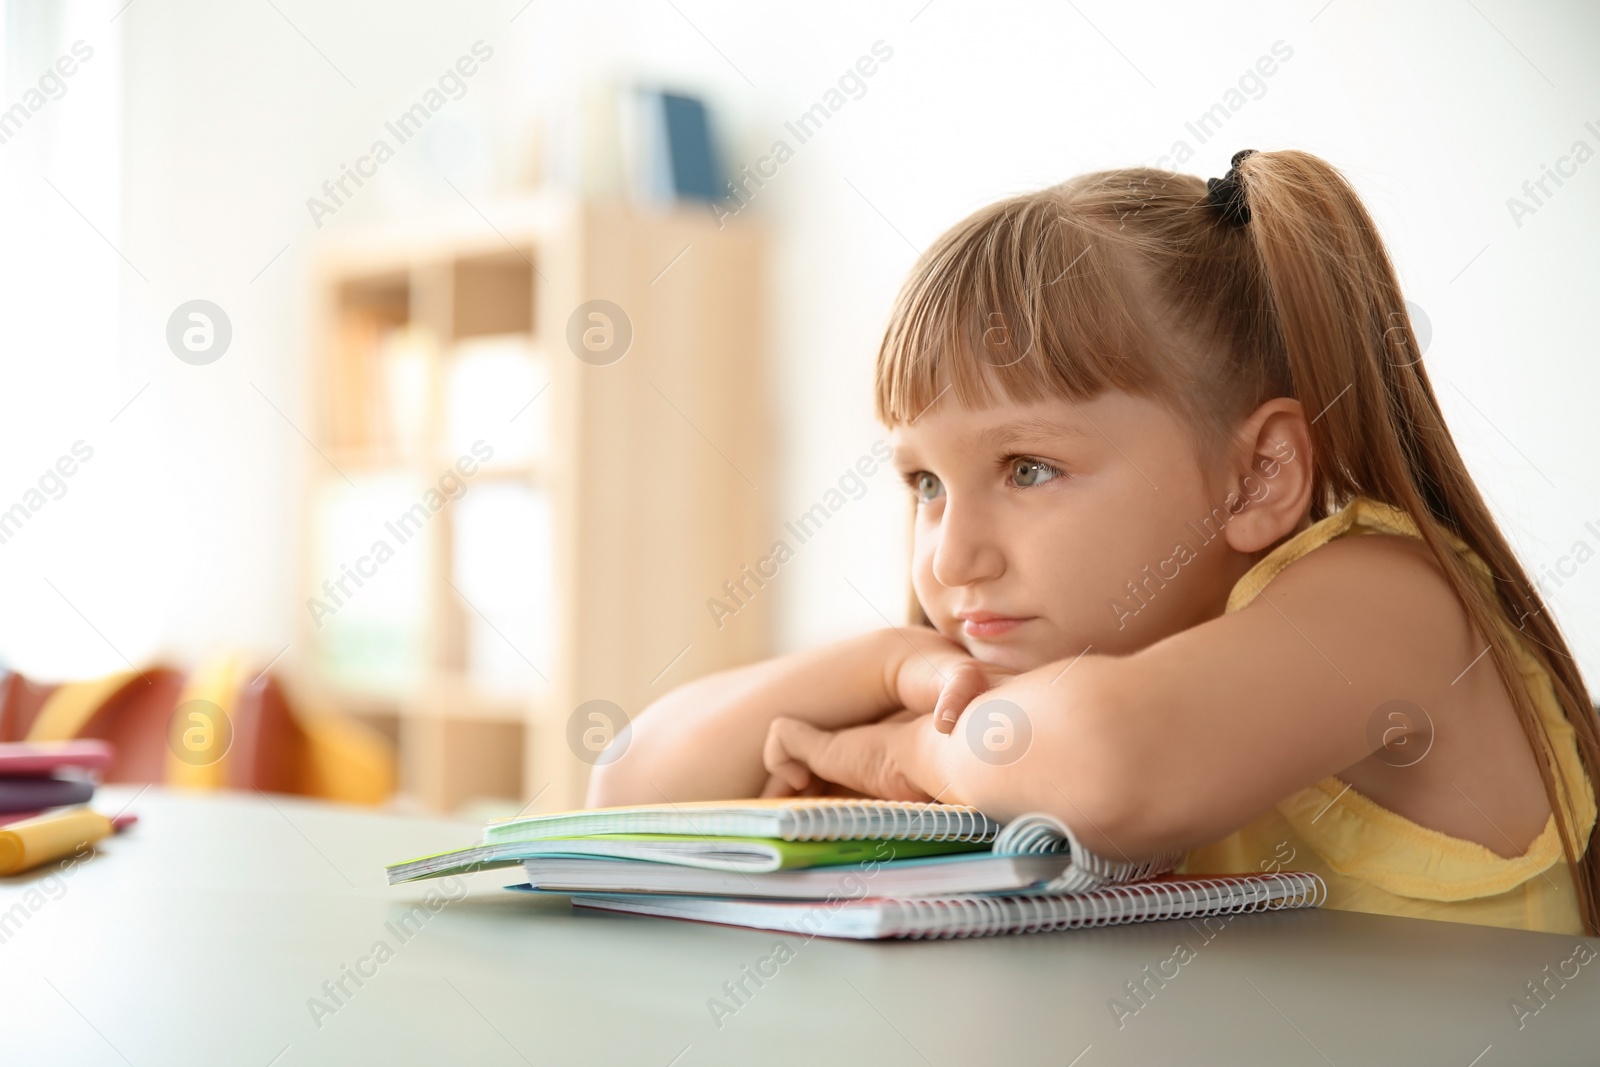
{"x": 753, "y": 836}
{"x": 791, "y": 819}
{"x": 747, "y": 855}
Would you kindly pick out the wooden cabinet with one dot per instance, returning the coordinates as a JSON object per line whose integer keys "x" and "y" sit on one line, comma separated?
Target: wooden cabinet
{"x": 542, "y": 448}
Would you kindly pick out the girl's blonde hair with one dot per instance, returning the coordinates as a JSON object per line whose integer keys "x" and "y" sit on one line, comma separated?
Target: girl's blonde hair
{"x": 1131, "y": 279}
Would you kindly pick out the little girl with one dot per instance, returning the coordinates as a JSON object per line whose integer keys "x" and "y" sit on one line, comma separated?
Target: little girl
{"x": 1196, "y": 565}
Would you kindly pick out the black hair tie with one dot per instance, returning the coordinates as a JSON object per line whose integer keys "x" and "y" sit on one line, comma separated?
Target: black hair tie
{"x": 1226, "y": 194}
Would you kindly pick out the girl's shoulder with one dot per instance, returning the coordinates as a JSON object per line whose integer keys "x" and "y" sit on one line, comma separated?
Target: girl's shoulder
{"x": 1366, "y": 540}
{"x": 1365, "y": 581}
{"x": 1414, "y": 652}
{"x": 1365, "y": 570}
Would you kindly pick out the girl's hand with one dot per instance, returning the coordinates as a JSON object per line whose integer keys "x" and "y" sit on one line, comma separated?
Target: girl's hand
{"x": 876, "y": 760}
{"x": 705, "y": 739}
{"x": 939, "y": 677}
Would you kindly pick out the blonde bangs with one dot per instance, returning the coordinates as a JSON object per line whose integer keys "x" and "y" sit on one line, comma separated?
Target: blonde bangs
{"x": 1024, "y": 300}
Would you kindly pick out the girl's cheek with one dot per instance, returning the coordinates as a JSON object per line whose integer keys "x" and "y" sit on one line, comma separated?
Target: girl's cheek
{"x": 927, "y": 590}
{"x": 924, "y": 586}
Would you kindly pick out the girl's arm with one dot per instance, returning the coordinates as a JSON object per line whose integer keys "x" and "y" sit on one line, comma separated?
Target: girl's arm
{"x": 1183, "y": 742}
{"x": 703, "y": 741}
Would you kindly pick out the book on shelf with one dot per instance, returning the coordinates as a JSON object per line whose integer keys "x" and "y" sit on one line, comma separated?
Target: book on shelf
{"x": 669, "y": 151}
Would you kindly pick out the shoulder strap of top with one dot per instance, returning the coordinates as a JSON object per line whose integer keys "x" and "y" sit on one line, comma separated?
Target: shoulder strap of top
{"x": 1362, "y": 513}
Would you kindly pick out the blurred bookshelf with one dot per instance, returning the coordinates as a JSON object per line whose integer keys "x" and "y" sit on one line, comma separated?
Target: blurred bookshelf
{"x": 498, "y": 530}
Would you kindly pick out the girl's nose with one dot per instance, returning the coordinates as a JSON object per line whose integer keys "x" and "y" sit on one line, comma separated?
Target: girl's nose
{"x": 968, "y": 549}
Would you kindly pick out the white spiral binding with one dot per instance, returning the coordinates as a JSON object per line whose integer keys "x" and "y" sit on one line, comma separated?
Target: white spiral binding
{"x": 1041, "y": 834}
{"x": 936, "y": 918}
{"x": 903, "y": 820}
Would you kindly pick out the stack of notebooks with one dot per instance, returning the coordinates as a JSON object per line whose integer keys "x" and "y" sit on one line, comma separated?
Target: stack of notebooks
{"x": 863, "y": 869}
{"x": 38, "y": 776}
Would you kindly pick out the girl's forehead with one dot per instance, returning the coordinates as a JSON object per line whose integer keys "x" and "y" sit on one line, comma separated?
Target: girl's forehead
{"x": 1047, "y": 426}
{"x": 1054, "y": 417}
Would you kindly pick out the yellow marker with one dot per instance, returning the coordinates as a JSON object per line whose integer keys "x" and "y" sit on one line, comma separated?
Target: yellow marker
{"x": 43, "y": 838}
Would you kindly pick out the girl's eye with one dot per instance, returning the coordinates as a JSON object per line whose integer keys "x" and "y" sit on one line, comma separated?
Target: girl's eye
{"x": 1026, "y": 473}
{"x": 926, "y": 486}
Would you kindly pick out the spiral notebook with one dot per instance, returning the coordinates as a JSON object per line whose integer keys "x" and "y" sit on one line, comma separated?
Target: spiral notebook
{"x": 792, "y": 819}
{"x": 703, "y": 835}
{"x": 876, "y": 918}
{"x": 1031, "y": 851}
{"x": 930, "y": 876}
{"x": 740, "y": 855}
{"x": 777, "y": 835}
{"x": 1032, "y": 874}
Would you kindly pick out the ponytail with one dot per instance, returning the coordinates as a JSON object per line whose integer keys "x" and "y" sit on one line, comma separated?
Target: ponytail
{"x": 1354, "y": 363}
{"x": 1271, "y": 282}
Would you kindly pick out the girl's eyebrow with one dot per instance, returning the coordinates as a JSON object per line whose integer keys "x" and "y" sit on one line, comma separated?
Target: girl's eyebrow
{"x": 1031, "y": 429}
{"x": 1002, "y": 437}
{"x": 904, "y": 458}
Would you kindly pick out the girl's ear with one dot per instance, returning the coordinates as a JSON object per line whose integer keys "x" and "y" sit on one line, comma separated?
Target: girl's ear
{"x": 1269, "y": 486}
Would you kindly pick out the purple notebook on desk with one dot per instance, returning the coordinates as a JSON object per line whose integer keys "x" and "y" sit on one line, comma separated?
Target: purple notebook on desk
{"x": 31, "y": 794}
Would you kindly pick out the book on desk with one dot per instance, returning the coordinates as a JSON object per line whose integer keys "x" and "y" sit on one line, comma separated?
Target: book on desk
{"x": 861, "y": 869}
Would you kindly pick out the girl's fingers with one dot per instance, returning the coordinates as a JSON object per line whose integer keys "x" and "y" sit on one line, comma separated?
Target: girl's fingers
{"x": 819, "y": 788}
{"x": 919, "y": 686}
{"x": 791, "y": 745}
{"x": 966, "y": 682}
{"x": 777, "y": 787}
{"x": 925, "y": 675}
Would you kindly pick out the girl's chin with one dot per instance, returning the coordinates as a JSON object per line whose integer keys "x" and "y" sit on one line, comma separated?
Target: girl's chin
{"x": 1008, "y": 656}
{"x": 1018, "y": 659}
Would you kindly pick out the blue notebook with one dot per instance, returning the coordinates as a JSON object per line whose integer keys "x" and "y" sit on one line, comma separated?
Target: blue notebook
{"x": 691, "y": 155}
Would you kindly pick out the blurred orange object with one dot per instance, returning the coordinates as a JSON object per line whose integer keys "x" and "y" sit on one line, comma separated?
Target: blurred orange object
{"x": 218, "y": 727}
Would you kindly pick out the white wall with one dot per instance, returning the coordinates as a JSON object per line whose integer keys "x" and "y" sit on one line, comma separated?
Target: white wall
{"x": 61, "y": 375}
{"x": 1438, "y": 113}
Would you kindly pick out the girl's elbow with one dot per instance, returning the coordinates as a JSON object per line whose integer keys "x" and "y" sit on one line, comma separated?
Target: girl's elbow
{"x": 1109, "y": 789}
{"x": 606, "y": 789}
{"x": 639, "y": 761}
{"x": 627, "y": 781}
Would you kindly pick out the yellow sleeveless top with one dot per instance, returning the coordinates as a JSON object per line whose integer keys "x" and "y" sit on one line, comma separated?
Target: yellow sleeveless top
{"x": 1375, "y": 860}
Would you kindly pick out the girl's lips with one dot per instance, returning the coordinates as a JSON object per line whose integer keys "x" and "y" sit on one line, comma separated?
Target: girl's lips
{"x": 984, "y": 625}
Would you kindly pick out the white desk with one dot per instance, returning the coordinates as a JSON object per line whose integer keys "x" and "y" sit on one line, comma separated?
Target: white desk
{"x": 200, "y": 937}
